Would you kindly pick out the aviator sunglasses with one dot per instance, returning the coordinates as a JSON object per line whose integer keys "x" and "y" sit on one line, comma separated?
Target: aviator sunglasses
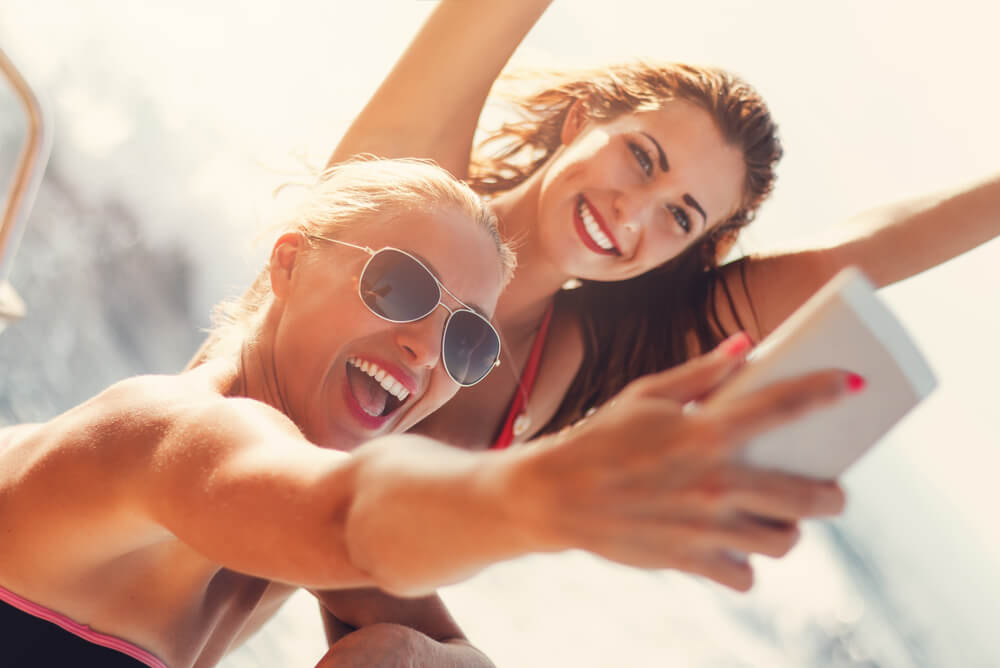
{"x": 399, "y": 288}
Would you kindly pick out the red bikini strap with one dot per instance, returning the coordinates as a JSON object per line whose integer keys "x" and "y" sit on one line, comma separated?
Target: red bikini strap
{"x": 526, "y": 383}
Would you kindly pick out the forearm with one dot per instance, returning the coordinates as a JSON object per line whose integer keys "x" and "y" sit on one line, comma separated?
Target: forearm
{"x": 889, "y": 244}
{"x": 442, "y": 81}
{"x": 425, "y": 515}
{"x": 897, "y": 241}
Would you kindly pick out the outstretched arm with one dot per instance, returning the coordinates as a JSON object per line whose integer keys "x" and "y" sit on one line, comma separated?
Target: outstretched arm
{"x": 429, "y": 105}
{"x": 889, "y": 244}
{"x": 642, "y": 482}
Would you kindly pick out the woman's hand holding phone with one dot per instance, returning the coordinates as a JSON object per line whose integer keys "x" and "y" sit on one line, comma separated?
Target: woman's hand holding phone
{"x": 645, "y": 482}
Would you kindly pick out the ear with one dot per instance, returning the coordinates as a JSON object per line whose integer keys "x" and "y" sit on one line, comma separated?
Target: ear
{"x": 284, "y": 255}
{"x": 576, "y": 119}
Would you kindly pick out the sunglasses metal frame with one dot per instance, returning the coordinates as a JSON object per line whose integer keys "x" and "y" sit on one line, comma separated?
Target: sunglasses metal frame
{"x": 441, "y": 291}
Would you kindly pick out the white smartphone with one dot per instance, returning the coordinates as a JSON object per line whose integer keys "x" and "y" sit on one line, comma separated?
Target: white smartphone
{"x": 844, "y": 325}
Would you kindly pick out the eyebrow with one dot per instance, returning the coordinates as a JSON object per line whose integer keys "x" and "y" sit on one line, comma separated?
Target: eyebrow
{"x": 665, "y": 166}
{"x": 475, "y": 307}
{"x": 693, "y": 203}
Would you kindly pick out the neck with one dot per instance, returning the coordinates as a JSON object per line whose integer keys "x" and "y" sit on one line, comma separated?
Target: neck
{"x": 256, "y": 372}
{"x": 537, "y": 279}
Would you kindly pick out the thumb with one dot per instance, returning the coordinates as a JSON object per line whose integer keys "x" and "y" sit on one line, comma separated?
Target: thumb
{"x": 698, "y": 377}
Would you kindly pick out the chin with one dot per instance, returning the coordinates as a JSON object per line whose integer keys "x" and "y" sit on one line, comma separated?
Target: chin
{"x": 408, "y": 421}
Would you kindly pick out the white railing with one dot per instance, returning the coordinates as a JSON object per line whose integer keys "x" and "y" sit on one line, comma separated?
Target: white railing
{"x": 24, "y": 186}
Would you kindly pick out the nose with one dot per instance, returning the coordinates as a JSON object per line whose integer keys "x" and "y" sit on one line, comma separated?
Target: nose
{"x": 420, "y": 341}
{"x": 628, "y": 207}
{"x": 628, "y": 210}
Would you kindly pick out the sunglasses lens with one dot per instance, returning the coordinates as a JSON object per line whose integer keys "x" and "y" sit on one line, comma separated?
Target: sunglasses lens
{"x": 397, "y": 287}
{"x": 470, "y": 347}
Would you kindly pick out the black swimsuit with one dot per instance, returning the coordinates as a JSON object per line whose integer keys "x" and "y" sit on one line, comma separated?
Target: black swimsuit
{"x": 32, "y": 642}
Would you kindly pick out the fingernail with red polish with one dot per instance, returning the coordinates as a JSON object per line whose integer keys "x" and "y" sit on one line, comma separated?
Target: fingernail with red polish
{"x": 736, "y": 345}
{"x": 855, "y": 383}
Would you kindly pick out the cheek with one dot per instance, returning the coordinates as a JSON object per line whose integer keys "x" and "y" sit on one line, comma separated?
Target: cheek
{"x": 440, "y": 391}
{"x": 584, "y": 164}
{"x": 661, "y": 247}
{"x": 325, "y": 324}
{"x": 598, "y": 166}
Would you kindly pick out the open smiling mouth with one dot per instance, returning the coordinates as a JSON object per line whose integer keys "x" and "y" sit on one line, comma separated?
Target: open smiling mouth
{"x": 375, "y": 390}
{"x": 592, "y": 230}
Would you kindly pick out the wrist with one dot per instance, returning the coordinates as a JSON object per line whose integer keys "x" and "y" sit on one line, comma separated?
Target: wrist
{"x": 527, "y": 497}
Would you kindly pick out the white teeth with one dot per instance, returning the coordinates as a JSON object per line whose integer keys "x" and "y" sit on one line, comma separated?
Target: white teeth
{"x": 593, "y": 229}
{"x": 388, "y": 382}
{"x": 393, "y": 387}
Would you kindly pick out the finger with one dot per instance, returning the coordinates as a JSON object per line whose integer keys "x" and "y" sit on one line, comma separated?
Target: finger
{"x": 727, "y": 568}
{"x": 781, "y": 496}
{"x": 750, "y": 535}
{"x": 769, "y": 407}
{"x": 698, "y": 377}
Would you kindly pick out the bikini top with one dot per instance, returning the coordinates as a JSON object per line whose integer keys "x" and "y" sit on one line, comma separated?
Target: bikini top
{"x": 518, "y": 421}
{"x": 33, "y": 635}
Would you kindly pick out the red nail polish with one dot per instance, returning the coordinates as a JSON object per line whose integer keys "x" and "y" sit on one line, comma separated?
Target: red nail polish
{"x": 855, "y": 383}
{"x": 736, "y": 345}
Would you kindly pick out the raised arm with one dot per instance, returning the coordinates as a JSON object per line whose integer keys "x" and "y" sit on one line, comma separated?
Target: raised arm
{"x": 889, "y": 244}
{"x": 429, "y": 105}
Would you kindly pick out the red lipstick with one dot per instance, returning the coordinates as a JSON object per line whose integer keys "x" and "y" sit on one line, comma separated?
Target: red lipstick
{"x": 581, "y": 229}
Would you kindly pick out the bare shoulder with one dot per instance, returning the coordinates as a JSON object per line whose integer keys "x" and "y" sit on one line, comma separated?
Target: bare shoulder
{"x": 757, "y": 293}
{"x": 191, "y": 402}
{"x": 144, "y": 413}
{"x": 99, "y": 451}
{"x": 142, "y": 441}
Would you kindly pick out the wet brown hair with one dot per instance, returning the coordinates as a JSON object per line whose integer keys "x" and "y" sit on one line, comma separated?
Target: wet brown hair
{"x": 663, "y": 317}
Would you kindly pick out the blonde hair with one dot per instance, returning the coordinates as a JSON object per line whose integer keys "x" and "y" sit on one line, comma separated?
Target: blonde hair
{"x": 357, "y": 192}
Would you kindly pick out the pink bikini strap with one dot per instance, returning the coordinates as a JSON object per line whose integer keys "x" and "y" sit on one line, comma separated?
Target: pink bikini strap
{"x": 80, "y": 630}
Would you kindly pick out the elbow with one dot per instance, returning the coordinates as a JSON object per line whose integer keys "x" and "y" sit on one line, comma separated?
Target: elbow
{"x": 379, "y": 556}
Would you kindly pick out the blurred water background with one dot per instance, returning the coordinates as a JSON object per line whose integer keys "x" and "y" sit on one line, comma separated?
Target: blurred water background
{"x": 176, "y": 121}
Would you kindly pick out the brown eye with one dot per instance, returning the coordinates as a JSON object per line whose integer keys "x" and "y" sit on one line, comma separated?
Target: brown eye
{"x": 680, "y": 215}
{"x": 641, "y": 157}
